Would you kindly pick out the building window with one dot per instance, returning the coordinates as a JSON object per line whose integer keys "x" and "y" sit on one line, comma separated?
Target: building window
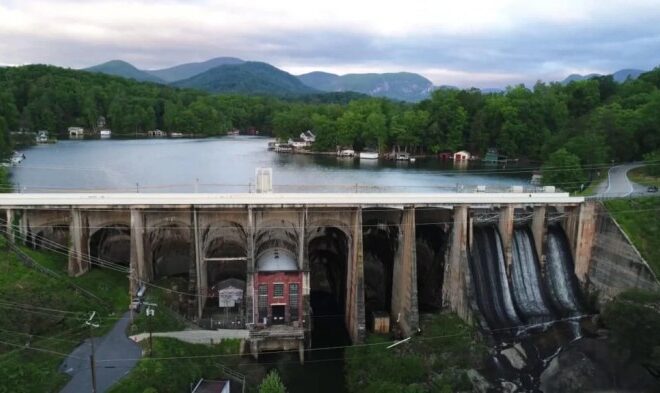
{"x": 294, "y": 297}
{"x": 278, "y": 290}
{"x": 263, "y": 302}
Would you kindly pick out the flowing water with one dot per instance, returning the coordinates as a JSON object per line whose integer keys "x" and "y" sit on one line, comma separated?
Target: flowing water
{"x": 528, "y": 290}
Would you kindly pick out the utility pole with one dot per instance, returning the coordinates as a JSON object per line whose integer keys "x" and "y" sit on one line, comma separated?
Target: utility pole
{"x": 89, "y": 322}
{"x": 150, "y": 314}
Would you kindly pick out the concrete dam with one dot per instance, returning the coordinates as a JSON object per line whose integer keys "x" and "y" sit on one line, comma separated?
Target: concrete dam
{"x": 272, "y": 261}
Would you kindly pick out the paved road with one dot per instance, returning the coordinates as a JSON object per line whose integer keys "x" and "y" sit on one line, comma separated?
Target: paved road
{"x": 114, "y": 345}
{"x": 618, "y": 184}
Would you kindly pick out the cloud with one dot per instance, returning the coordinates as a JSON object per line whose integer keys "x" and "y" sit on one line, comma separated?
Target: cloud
{"x": 471, "y": 42}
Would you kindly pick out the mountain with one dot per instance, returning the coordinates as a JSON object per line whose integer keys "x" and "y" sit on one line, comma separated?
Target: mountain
{"x": 250, "y": 77}
{"x": 188, "y": 70}
{"x": 403, "y": 86}
{"x": 619, "y": 76}
{"x": 125, "y": 70}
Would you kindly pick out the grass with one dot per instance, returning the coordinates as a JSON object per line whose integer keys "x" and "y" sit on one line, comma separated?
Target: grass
{"x": 591, "y": 189}
{"x": 176, "y": 375}
{"x": 640, "y": 219}
{"x": 29, "y": 370}
{"x": 164, "y": 319}
{"x": 639, "y": 175}
{"x": 435, "y": 360}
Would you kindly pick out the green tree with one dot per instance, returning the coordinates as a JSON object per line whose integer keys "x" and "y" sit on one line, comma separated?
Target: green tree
{"x": 563, "y": 170}
{"x": 272, "y": 383}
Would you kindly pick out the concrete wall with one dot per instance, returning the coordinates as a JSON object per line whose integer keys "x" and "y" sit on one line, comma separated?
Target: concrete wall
{"x": 615, "y": 264}
{"x": 456, "y": 285}
{"x": 404, "y": 284}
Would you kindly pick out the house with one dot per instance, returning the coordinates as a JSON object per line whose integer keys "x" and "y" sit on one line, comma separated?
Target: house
{"x": 209, "y": 386}
{"x": 76, "y": 132}
{"x": 308, "y": 136}
{"x": 230, "y": 292}
{"x": 156, "y": 133}
{"x": 278, "y": 288}
{"x": 299, "y": 143}
{"x": 462, "y": 156}
{"x": 100, "y": 122}
{"x": 42, "y": 136}
{"x": 492, "y": 156}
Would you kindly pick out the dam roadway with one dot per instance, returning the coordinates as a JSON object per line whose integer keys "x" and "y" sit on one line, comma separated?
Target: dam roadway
{"x": 368, "y": 254}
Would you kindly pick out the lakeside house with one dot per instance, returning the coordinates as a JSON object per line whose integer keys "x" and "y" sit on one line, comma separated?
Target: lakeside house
{"x": 462, "y": 156}
{"x": 493, "y": 157}
{"x": 308, "y": 136}
{"x": 76, "y": 132}
{"x": 446, "y": 155}
{"x": 156, "y": 133}
{"x": 42, "y": 136}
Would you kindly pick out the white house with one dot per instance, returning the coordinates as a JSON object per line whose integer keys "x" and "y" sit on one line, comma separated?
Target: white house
{"x": 462, "y": 155}
{"x": 76, "y": 131}
{"x": 308, "y": 136}
{"x": 42, "y": 136}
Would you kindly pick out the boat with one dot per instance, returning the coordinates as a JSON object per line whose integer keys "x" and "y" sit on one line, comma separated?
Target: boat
{"x": 105, "y": 133}
{"x": 413, "y": 159}
{"x": 176, "y": 134}
{"x": 233, "y": 132}
{"x": 403, "y": 156}
{"x": 368, "y": 155}
{"x": 16, "y": 158}
{"x": 346, "y": 153}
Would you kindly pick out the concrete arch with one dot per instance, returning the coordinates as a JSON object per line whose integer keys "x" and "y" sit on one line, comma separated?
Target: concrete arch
{"x": 271, "y": 233}
{"x": 111, "y": 243}
{"x": 171, "y": 250}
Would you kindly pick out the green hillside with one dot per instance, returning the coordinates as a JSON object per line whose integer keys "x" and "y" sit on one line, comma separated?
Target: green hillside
{"x": 125, "y": 70}
{"x": 247, "y": 78}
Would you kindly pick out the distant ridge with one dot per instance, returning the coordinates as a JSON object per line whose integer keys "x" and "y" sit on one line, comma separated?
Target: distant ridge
{"x": 405, "y": 86}
{"x": 188, "y": 70}
{"x": 125, "y": 70}
{"x": 619, "y": 76}
{"x": 249, "y": 77}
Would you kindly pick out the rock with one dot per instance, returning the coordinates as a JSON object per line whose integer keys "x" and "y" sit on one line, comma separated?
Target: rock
{"x": 516, "y": 356}
{"x": 479, "y": 383}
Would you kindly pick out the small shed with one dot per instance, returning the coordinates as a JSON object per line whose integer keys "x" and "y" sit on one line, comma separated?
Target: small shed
{"x": 462, "y": 155}
{"x": 230, "y": 292}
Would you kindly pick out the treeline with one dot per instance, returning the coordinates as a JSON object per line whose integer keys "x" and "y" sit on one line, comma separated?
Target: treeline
{"x": 594, "y": 121}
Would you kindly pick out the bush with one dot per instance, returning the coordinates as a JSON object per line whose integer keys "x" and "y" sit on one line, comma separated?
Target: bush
{"x": 272, "y": 383}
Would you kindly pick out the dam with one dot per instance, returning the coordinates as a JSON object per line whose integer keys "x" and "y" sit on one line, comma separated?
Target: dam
{"x": 508, "y": 259}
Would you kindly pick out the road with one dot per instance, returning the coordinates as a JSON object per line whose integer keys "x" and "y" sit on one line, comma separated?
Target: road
{"x": 618, "y": 184}
{"x": 114, "y": 345}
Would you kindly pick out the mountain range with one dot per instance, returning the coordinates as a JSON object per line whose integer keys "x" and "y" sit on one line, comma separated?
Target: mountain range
{"x": 233, "y": 75}
{"x": 619, "y": 76}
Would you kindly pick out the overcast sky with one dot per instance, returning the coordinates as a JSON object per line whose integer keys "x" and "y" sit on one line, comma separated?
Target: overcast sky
{"x": 482, "y": 43}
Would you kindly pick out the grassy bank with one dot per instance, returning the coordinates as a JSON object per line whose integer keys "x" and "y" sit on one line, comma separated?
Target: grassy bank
{"x": 183, "y": 364}
{"x": 640, "y": 219}
{"x": 640, "y": 175}
{"x": 435, "y": 360}
{"x": 592, "y": 188}
{"x": 35, "y": 339}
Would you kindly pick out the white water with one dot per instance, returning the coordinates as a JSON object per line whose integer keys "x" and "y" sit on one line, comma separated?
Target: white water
{"x": 526, "y": 279}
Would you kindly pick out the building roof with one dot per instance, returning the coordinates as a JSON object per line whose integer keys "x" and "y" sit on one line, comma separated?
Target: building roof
{"x": 276, "y": 260}
{"x": 207, "y": 386}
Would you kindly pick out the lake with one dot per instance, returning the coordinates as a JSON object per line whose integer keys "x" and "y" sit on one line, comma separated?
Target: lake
{"x": 227, "y": 164}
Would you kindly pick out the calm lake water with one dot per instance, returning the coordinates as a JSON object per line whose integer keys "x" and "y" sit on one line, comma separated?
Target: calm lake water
{"x": 227, "y": 164}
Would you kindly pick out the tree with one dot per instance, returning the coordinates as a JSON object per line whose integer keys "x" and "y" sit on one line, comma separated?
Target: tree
{"x": 563, "y": 170}
{"x": 272, "y": 383}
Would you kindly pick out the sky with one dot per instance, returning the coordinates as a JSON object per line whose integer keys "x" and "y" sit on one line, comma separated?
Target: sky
{"x": 465, "y": 43}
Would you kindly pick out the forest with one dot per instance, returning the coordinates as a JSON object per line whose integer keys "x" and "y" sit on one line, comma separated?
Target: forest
{"x": 587, "y": 122}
